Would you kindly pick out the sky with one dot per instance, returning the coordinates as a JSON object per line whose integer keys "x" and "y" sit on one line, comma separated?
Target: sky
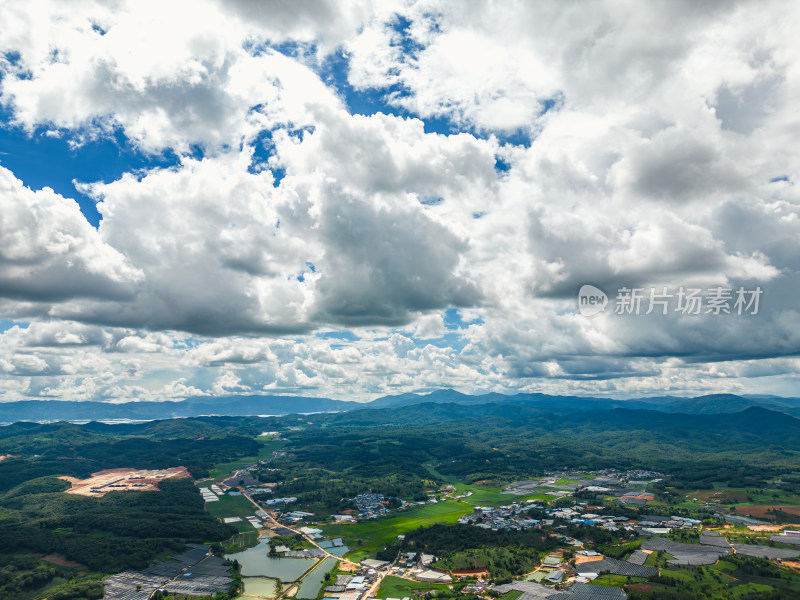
{"x": 352, "y": 199}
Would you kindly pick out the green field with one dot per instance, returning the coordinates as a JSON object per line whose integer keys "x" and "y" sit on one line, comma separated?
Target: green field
{"x": 617, "y": 580}
{"x": 232, "y": 506}
{"x": 482, "y": 495}
{"x": 652, "y": 559}
{"x": 268, "y": 446}
{"x": 397, "y": 587}
{"x": 491, "y": 496}
{"x": 366, "y": 537}
{"x": 565, "y": 481}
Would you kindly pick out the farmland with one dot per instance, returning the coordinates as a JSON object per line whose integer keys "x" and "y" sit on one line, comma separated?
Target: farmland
{"x": 369, "y": 536}
{"x": 267, "y": 446}
{"x": 231, "y": 506}
{"x": 767, "y": 511}
{"x": 491, "y": 496}
{"x": 396, "y": 587}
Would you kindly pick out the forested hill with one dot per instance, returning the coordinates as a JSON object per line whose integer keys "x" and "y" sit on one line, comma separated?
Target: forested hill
{"x": 66, "y": 449}
{"x": 758, "y": 422}
{"x": 468, "y": 441}
{"x": 498, "y": 441}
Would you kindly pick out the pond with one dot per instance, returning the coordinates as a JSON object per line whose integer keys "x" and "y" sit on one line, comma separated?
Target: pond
{"x": 339, "y": 550}
{"x": 309, "y": 588}
{"x": 256, "y": 563}
{"x": 259, "y": 586}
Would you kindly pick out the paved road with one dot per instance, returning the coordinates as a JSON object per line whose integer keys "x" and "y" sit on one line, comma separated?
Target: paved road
{"x": 307, "y": 538}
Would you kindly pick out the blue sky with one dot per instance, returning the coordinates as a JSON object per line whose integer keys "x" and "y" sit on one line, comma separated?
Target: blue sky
{"x": 40, "y": 160}
{"x": 383, "y": 199}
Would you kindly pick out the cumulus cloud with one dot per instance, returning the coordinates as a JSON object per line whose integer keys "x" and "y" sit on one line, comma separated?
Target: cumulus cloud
{"x": 386, "y": 261}
{"x": 49, "y": 251}
{"x": 295, "y": 246}
{"x": 171, "y": 76}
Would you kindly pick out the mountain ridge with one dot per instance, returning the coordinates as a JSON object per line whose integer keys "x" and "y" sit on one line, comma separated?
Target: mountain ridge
{"x": 256, "y": 404}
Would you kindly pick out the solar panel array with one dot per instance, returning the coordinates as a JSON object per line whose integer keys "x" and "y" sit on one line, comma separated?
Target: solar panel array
{"x": 687, "y": 554}
{"x": 766, "y": 551}
{"x": 585, "y": 591}
{"x": 193, "y": 573}
{"x": 617, "y": 567}
{"x": 637, "y": 558}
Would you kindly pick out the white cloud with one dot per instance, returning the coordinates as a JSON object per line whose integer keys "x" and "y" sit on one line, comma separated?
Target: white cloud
{"x": 430, "y": 326}
{"x": 171, "y": 76}
{"x": 667, "y": 157}
{"x": 50, "y": 252}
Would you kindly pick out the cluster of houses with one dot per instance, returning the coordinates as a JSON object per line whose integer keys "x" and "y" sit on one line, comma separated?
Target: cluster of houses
{"x": 504, "y": 518}
{"x": 347, "y": 587}
{"x": 607, "y": 481}
{"x": 353, "y": 586}
{"x": 370, "y": 505}
{"x": 637, "y": 476}
{"x": 514, "y": 517}
{"x": 582, "y": 514}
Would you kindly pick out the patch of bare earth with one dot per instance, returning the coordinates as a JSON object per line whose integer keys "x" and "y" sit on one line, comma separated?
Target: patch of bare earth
{"x": 579, "y": 560}
{"x": 112, "y": 480}
{"x": 57, "y": 560}
{"x": 792, "y": 564}
{"x": 773, "y": 527}
{"x": 763, "y": 511}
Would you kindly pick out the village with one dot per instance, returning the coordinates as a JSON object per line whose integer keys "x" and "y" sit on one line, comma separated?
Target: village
{"x": 514, "y": 517}
{"x": 610, "y": 501}
{"x": 566, "y": 510}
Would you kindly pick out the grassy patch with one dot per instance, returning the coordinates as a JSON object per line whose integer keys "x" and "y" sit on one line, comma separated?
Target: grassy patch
{"x": 498, "y": 561}
{"x": 242, "y": 526}
{"x": 617, "y": 580}
{"x": 483, "y": 495}
{"x": 565, "y": 481}
{"x": 491, "y": 496}
{"x": 231, "y": 506}
{"x": 678, "y": 575}
{"x": 750, "y": 588}
{"x": 369, "y": 536}
{"x": 268, "y": 446}
{"x": 723, "y": 565}
{"x": 397, "y": 587}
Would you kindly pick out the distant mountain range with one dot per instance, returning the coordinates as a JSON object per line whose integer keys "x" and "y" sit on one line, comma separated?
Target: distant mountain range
{"x": 55, "y": 410}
